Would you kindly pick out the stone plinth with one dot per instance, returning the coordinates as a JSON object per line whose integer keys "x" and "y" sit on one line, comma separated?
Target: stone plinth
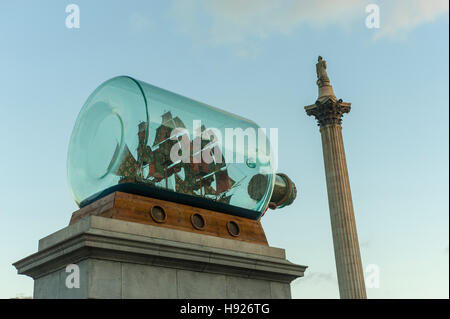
{"x": 119, "y": 259}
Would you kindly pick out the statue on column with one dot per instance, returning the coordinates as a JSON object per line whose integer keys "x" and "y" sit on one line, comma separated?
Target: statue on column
{"x": 321, "y": 69}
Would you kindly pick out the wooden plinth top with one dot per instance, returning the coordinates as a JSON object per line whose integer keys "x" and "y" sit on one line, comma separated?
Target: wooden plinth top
{"x": 146, "y": 210}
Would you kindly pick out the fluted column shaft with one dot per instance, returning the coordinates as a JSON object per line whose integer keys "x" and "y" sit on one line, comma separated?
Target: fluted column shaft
{"x": 346, "y": 247}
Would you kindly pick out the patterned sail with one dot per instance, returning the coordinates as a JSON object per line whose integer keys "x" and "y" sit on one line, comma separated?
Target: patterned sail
{"x": 128, "y": 168}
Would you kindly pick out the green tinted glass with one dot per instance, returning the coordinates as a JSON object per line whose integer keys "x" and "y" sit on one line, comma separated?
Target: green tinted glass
{"x": 129, "y": 131}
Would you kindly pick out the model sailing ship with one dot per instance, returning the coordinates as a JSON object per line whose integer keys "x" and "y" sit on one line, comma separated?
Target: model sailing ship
{"x": 153, "y": 165}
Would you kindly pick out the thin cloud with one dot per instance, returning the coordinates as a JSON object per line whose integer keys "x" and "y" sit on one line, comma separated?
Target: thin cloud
{"x": 236, "y": 22}
{"x": 400, "y": 16}
{"x": 138, "y": 21}
{"x": 318, "y": 277}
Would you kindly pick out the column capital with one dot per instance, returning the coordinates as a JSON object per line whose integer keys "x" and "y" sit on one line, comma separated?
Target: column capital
{"x": 328, "y": 111}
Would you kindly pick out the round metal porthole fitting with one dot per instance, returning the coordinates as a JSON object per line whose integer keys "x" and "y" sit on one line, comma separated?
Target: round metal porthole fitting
{"x": 233, "y": 228}
{"x": 158, "y": 214}
{"x": 198, "y": 221}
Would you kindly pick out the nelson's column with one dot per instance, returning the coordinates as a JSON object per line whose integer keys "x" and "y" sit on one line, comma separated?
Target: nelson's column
{"x": 329, "y": 111}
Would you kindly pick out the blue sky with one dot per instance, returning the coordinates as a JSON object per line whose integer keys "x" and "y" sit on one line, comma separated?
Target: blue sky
{"x": 256, "y": 60}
